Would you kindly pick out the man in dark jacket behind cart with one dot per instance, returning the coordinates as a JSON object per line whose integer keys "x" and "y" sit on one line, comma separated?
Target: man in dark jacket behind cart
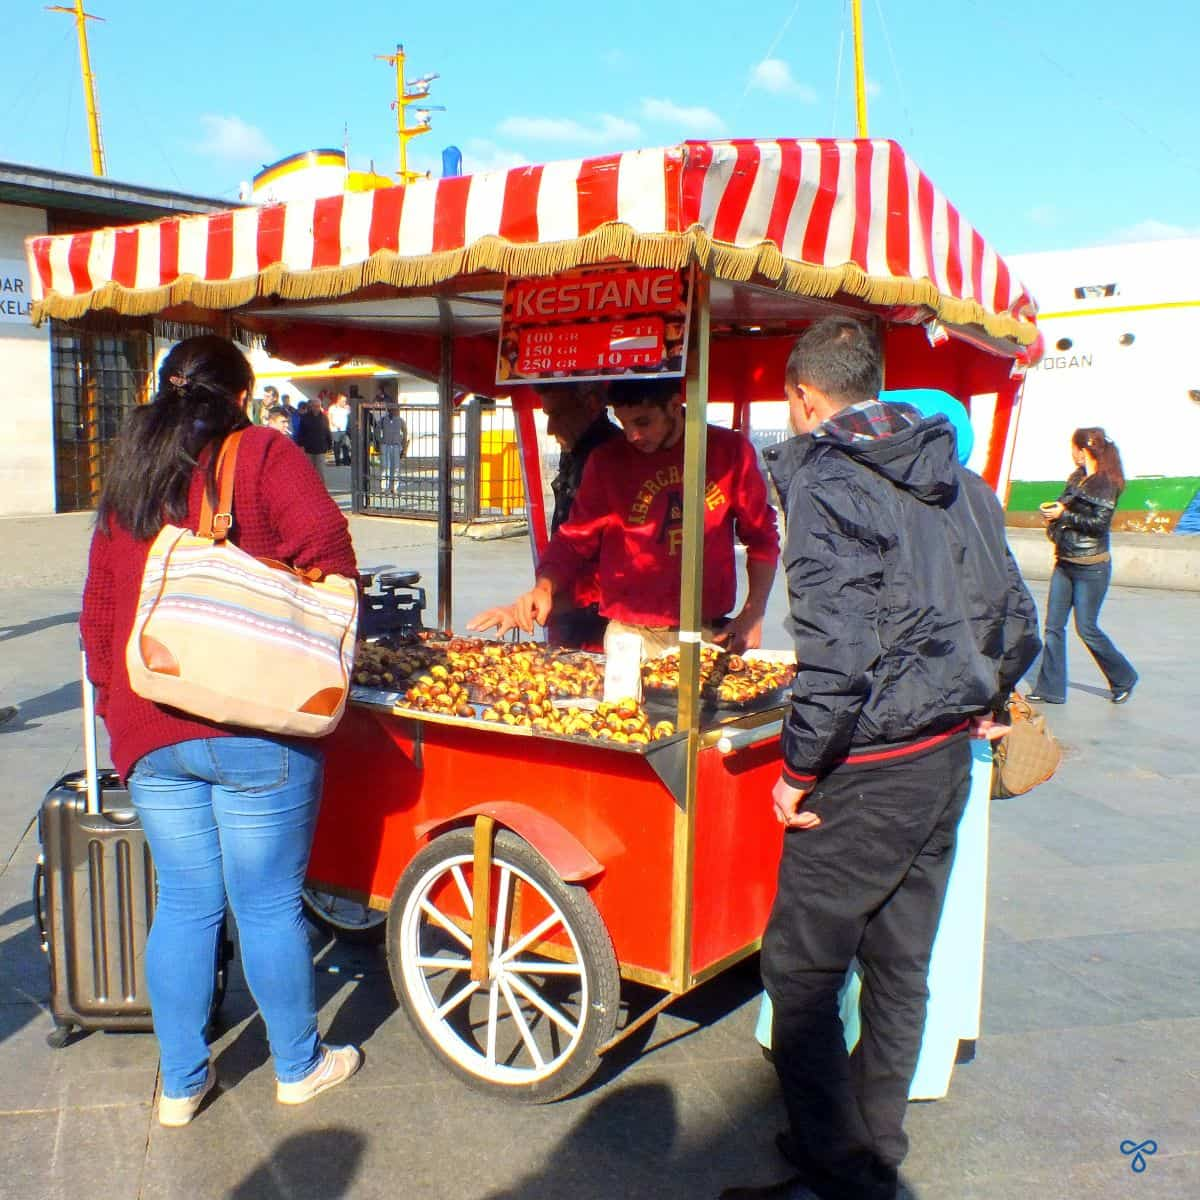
{"x": 577, "y": 418}
{"x": 911, "y": 624}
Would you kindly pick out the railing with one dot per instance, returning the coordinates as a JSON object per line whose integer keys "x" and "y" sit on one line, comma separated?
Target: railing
{"x": 485, "y": 466}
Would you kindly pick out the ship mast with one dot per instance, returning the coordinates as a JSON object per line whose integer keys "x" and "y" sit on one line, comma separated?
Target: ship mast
{"x": 407, "y": 94}
{"x": 89, "y": 80}
{"x": 860, "y": 73}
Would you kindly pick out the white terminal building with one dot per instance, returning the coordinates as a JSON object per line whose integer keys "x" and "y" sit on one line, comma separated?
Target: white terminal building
{"x": 65, "y": 391}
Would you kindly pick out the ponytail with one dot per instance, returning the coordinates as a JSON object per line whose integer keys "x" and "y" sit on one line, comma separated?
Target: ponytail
{"x": 1108, "y": 458}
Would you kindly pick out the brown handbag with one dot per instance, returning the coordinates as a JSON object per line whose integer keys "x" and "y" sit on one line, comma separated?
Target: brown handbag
{"x": 1027, "y": 755}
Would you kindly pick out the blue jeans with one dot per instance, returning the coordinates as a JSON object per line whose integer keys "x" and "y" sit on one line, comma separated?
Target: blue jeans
{"x": 1082, "y": 587}
{"x": 229, "y": 816}
{"x": 391, "y": 466}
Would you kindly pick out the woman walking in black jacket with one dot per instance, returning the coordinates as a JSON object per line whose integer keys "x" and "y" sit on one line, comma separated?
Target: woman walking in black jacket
{"x": 1078, "y": 524}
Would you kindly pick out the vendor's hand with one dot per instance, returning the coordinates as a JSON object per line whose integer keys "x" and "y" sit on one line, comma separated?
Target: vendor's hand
{"x": 534, "y": 605}
{"x": 502, "y": 618}
{"x": 1052, "y": 511}
{"x": 988, "y": 728}
{"x": 786, "y": 801}
{"x": 743, "y": 633}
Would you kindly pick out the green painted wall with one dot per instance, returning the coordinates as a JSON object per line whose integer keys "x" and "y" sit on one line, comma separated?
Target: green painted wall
{"x": 1155, "y": 493}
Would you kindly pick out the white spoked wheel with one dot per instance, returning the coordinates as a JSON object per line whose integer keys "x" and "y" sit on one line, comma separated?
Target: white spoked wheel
{"x": 530, "y": 1030}
{"x": 348, "y": 920}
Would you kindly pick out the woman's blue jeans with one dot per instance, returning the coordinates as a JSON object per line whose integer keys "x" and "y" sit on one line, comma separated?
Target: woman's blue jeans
{"x": 229, "y": 816}
{"x": 1081, "y": 586}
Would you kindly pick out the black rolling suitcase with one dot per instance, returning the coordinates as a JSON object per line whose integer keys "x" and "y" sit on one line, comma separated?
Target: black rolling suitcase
{"x": 94, "y": 897}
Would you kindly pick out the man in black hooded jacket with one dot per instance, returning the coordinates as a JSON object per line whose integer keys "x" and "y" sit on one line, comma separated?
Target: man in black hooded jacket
{"x": 911, "y": 624}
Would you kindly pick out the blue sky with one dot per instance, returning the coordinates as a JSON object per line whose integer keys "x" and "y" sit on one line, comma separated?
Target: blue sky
{"x": 1051, "y": 125}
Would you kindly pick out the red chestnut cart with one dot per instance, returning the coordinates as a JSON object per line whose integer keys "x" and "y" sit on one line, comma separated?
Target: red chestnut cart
{"x": 526, "y": 875}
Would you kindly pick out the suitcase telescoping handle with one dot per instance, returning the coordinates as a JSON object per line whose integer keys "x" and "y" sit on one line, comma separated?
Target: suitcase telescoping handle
{"x": 89, "y": 736}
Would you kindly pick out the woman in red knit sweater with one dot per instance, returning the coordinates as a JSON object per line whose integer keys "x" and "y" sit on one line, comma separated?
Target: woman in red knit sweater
{"x": 228, "y": 812}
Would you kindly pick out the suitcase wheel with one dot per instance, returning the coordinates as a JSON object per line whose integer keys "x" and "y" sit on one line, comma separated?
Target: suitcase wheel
{"x": 59, "y": 1036}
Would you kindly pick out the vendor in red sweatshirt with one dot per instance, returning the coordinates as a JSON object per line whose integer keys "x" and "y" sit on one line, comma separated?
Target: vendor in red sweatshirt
{"x": 627, "y": 524}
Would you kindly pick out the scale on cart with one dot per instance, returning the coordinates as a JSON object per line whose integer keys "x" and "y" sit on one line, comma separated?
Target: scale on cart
{"x": 389, "y": 601}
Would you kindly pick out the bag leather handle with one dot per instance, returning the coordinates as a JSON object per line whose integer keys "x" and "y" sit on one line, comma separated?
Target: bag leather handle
{"x": 308, "y": 574}
{"x": 216, "y": 525}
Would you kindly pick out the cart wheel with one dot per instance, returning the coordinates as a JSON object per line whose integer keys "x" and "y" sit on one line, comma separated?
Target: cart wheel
{"x": 531, "y": 1030}
{"x": 347, "y": 920}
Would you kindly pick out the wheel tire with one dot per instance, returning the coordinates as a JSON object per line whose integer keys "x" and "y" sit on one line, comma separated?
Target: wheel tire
{"x": 345, "y": 920}
{"x": 580, "y": 981}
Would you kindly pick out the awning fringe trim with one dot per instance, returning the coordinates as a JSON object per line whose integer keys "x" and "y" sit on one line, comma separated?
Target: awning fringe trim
{"x": 610, "y": 242}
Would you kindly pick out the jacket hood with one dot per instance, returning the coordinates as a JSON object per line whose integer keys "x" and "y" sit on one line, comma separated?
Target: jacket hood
{"x": 922, "y": 459}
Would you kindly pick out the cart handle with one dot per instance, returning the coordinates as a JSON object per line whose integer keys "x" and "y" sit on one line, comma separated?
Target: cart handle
{"x": 738, "y": 739}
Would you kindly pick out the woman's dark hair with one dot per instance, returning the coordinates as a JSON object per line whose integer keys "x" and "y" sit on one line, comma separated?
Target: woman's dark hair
{"x": 1108, "y": 459}
{"x": 199, "y": 401}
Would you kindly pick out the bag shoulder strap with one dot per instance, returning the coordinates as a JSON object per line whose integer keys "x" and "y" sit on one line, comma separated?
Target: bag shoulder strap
{"x": 216, "y": 525}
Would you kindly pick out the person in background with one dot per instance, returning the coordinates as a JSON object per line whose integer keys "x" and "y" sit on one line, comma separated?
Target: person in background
{"x": 339, "y": 429}
{"x": 294, "y": 414}
{"x": 911, "y": 625}
{"x": 260, "y": 408}
{"x": 314, "y": 435}
{"x": 1078, "y": 523}
{"x": 227, "y": 812}
{"x": 626, "y": 526}
{"x": 277, "y": 418}
{"x": 577, "y": 418}
{"x": 393, "y": 441}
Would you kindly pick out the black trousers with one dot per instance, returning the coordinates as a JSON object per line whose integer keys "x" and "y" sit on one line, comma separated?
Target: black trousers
{"x": 868, "y": 882}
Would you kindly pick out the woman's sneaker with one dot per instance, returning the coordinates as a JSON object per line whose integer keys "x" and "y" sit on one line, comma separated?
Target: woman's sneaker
{"x": 337, "y": 1064}
{"x": 176, "y": 1113}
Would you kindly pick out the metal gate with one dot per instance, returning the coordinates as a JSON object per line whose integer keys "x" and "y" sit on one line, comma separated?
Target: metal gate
{"x": 96, "y": 379}
{"x": 485, "y": 468}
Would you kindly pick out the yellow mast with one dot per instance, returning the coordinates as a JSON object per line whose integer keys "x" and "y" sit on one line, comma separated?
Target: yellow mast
{"x": 89, "y": 80}
{"x": 860, "y": 74}
{"x": 403, "y": 99}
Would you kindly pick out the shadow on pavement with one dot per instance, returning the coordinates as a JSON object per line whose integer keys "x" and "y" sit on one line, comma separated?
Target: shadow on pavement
{"x": 9, "y": 632}
{"x": 22, "y": 972}
{"x": 66, "y": 698}
{"x": 321, "y": 1162}
{"x": 703, "y": 1006}
{"x": 1091, "y": 689}
{"x": 593, "y": 1161}
{"x": 367, "y": 1004}
{"x": 369, "y": 1000}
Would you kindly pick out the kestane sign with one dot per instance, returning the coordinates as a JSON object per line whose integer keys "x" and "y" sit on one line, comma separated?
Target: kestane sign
{"x": 594, "y": 323}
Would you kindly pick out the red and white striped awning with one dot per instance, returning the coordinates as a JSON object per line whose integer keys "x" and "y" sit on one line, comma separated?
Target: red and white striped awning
{"x": 813, "y": 217}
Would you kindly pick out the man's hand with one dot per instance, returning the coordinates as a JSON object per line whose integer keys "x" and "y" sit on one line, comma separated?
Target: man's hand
{"x": 743, "y": 633}
{"x": 988, "y": 728}
{"x": 535, "y": 605}
{"x": 503, "y": 618}
{"x": 786, "y": 801}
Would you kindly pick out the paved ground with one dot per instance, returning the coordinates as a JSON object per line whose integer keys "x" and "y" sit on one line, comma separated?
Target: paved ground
{"x": 1091, "y": 1022}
